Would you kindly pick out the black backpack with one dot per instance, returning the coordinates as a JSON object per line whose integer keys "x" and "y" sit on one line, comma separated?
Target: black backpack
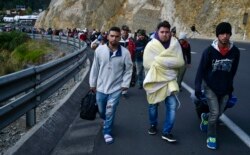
{"x": 89, "y": 107}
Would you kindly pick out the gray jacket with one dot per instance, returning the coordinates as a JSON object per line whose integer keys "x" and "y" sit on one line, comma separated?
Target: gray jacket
{"x": 110, "y": 70}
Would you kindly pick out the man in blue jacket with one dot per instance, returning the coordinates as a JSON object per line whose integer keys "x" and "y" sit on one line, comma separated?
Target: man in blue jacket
{"x": 218, "y": 66}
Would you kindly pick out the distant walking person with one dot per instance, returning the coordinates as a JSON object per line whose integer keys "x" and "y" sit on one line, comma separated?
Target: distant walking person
{"x": 110, "y": 75}
{"x": 194, "y": 30}
{"x": 161, "y": 60}
{"x": 186, "y": 51}
{"x": 218, "y": 66}
{"x": 140, "y": 44}
{"x": 127, "y": 42}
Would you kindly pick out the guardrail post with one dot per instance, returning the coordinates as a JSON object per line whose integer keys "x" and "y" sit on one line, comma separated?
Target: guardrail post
{"x": 74, "y": 41}
{"x": 33, "y": 35}
{"x": 77, "y": 77}
{"x": 31, "y": 118}
{"x": 79, "y": 43}
{"x": 60, "y": 41}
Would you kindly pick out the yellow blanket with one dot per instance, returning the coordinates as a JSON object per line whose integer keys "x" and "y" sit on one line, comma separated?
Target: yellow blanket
{"x": 162, "y": 66}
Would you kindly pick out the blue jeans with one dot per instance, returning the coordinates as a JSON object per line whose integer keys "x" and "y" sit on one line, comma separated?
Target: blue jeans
{"x": 107, "y": 104}
{"x": 171, "y": 104}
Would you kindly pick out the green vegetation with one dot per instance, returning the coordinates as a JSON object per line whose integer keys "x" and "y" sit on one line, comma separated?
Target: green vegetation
{"x": 31, "y": 52}
{"x": 10, "y": 40}
{"x": 17, "y": 50}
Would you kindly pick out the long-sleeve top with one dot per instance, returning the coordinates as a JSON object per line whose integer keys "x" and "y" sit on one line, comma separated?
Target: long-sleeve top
{"x": 130, "y": 45}
{"x": 217, "y": 70}
{"x": 110, "y": 70}
{"x": 186, "y": 51}
{"x": 139, "y": 48}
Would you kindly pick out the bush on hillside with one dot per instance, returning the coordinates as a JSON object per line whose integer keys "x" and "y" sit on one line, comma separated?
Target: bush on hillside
{"x": 10, "y": 40}
{"x": 29, "y": 53}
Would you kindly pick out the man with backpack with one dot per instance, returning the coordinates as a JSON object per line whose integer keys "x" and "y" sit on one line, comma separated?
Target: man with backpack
{"x": 216, "y": 71}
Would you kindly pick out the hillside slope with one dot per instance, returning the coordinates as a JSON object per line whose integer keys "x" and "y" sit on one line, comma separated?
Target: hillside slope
{"x": 101, "y": 14}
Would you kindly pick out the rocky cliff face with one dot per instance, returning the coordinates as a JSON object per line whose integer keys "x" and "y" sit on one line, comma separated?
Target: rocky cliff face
{"x": 101, "y": 14}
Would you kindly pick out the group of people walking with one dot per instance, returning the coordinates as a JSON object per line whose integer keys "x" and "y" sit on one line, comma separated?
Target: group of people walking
{"x": 160, "y": 64}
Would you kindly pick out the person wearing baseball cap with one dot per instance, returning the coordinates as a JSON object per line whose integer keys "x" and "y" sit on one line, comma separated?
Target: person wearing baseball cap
{"x": 216, "y": 71}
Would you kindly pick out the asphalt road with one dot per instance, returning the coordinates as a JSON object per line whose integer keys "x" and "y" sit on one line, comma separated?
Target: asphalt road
{"x": 131, "y": 124}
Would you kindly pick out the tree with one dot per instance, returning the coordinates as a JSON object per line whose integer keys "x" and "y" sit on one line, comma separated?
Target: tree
{"x": 28, "y": 11}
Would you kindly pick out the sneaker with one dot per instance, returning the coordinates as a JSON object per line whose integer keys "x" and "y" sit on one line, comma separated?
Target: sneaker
{"x": 204, "y": 122}
{"x": 108, "y": 139}
{"x": 152, "y": 130}
{"x": 169, "y": 137}
{"x": 211, "y": 143}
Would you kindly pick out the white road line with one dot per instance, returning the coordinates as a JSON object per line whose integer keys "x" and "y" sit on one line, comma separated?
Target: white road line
{"x": 192, "y": 52}
{"x": 235, "y": 129}
{"x": 229, "y": 123}
{"x": 242, "y": 49}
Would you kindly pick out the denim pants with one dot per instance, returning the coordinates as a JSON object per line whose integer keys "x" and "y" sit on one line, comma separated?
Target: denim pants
{"x": 216, "y": 106}
{"x": 171, "y": 104}
{"x": 107, "y": 104}
{"x": 139, "y": 72}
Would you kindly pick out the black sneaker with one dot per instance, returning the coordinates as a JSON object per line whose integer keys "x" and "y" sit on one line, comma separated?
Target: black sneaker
{"x": 169, "y": 137}
{"x": 152, "y": 130}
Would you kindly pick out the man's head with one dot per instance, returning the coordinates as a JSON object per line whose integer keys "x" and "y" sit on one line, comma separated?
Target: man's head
{"x": 223, "y": 28}
{"x": 125, "y": 31}
{"x": 173, "y": 31}
{"x": 114, "y": 36}
{"x": 163, "y": 31}
{"x": 141, "y": 34}
{"x": 223, "y": 32}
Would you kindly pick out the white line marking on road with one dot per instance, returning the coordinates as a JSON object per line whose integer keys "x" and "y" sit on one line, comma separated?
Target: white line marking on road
{"x": 242, "y": 49}
{"x": 229, "y": 123}
{"x": 235, "y": 129}
{"x": 192, "y": 52}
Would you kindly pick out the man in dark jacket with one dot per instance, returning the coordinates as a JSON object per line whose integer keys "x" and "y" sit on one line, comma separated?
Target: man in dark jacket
{"x": 140, "y": 44}
{"x": 186, "y": 51}
{"x": 127, "y": 42}
{"x": 218, "y": 66}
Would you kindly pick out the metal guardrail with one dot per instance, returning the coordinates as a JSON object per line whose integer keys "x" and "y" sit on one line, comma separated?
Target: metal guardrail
{"x": 24, "y": 90}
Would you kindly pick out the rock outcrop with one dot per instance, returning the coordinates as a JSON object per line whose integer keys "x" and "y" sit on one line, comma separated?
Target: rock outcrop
{"x": 101, "y": 14}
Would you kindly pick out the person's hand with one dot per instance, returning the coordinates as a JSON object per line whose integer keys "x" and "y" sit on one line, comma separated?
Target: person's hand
{"x": 198, "y": 95}
{"x": 94, "y": 46}
{"x": 93, "y": 89}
